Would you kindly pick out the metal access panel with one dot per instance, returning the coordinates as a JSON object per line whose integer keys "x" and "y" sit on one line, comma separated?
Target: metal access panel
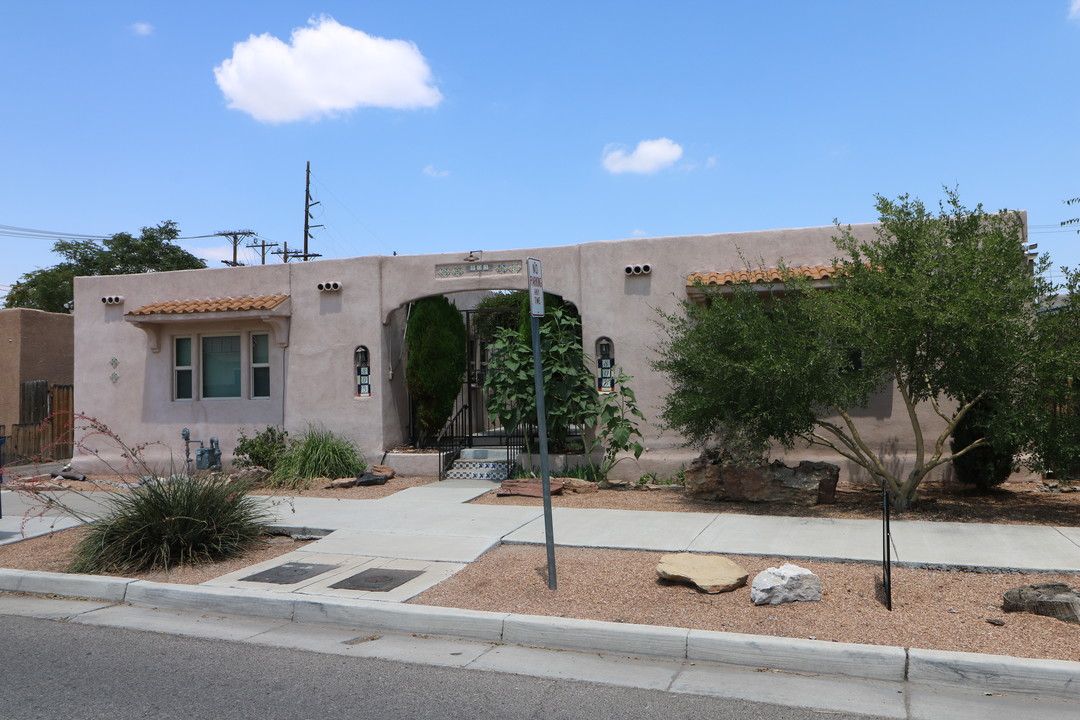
{"x": 377, "y": 580}
{"x": 289, "y": 573}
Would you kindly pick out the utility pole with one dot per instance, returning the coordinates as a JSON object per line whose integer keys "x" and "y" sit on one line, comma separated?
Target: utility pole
{"x": 261, "y": 246}
{"x": 287, "y": 254}
{"x": 308, "y": 217}
{"x": 234, "y": 237}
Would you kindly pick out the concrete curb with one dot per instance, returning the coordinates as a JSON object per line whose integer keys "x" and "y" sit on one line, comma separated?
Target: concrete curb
{"x": 1048, "y": 679}
{"x": 91, "y": 587}
{"x": 995, "y": 673}
{"x": 870, "y": 662}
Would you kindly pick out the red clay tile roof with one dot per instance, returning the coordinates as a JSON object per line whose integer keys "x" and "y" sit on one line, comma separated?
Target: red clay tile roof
{"x": 772, "y": 275}
{"x": 211, "y": 305}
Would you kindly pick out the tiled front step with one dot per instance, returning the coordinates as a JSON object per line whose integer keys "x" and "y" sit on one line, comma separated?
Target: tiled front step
{"x": 497, "y": 454}
{"x": 479, "y": 470}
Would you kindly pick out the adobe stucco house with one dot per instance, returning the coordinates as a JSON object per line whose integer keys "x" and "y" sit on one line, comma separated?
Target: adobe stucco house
{"x": 225, "y": 349}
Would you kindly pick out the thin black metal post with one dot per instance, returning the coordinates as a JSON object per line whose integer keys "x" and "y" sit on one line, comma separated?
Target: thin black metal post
{"x": 886, "y": 555}
{"x": 541, "y": 418}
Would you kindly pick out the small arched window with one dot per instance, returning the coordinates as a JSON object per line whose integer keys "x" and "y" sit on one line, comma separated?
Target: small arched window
{"x": 362, "y": 363}
{"x": 605, "y": 365}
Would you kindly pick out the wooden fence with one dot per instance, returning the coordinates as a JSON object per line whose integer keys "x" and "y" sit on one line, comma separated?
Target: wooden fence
{"x": 44, "y": 431}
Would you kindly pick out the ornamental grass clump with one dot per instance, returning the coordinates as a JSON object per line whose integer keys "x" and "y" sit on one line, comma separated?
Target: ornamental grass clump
{"x": 318, "y": 452}
{"x": 185, "y": 520}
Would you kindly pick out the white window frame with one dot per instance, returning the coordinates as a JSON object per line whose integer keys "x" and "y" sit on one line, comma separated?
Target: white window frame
{"x": 189, "y": 369}
{"x": 247, "y": 366}
{"x": 253, "y": 366}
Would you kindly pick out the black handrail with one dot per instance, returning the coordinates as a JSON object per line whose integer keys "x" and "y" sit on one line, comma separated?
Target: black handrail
{"x": 452, "y": 438}
{"x": 517, "y": 442}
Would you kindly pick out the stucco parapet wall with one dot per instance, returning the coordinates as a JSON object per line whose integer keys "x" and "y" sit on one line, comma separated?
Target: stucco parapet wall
{"x": 274, "y": 310}
{"x": 449, "y": 273}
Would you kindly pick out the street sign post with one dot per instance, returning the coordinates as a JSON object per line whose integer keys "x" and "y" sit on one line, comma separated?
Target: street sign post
{"x": 536, "y": 309}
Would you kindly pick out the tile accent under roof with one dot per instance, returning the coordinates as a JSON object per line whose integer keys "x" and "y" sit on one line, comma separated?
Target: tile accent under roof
{"x": 772, "y": 275}
{"x": 211, "y": 305}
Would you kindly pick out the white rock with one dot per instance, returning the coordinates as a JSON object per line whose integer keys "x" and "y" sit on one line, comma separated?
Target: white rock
{"x": 787, "y": 583}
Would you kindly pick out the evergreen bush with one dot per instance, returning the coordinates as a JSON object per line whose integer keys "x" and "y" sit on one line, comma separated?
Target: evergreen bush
{"x": 435, "y": 371}
{"x": 988, "y": 465}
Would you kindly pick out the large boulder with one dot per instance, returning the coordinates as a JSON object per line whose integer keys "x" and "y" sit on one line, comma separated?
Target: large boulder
{"x": 787, "y": 583}
{"x": 711, "y": 573}
{"x": 712, "y": 476}
{"x": 1056, "y": 600}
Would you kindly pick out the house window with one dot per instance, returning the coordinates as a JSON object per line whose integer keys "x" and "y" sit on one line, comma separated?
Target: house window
{"x": 260, "y": 365}
{"x": 221, "y": 366}
{"x": 362, "y": 362}
{"x": 182, "y": 369}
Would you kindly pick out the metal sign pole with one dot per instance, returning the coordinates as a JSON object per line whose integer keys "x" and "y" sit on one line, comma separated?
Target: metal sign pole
{"x": 536, "y": 308}
{"x": 886, "y": 551}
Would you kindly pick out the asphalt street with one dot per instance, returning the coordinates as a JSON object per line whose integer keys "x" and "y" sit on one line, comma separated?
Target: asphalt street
{"x": 53, "y": 669}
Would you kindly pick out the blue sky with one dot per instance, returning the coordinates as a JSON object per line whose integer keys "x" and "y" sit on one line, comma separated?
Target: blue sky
{"x": 437, "y": 126}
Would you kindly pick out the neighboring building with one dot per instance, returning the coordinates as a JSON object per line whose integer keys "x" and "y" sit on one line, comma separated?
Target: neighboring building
{"x": 228, "y": 349}
{"x": 34, "y": 345}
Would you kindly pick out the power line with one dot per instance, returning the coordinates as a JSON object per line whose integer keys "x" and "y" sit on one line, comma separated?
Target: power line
{"x": 348, "y": 210}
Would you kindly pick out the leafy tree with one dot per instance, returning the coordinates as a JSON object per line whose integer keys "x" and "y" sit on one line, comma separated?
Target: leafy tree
{"x": 497, "y": 311}
{"x": 51, "y": 288}
{"x": 1053, "y": 438}
{"x": 569, "y": 396}
{"x": 943, "y": 305}
{"x": 436, "y": 364}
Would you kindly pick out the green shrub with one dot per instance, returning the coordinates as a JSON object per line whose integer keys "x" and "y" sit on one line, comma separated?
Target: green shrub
{"x": 435, "y": 370}
{"x": 987, "y": 465}
{"x": 165, "y": 523}
{"x": 264, "y": 450}
{"x": 318, "y": 452}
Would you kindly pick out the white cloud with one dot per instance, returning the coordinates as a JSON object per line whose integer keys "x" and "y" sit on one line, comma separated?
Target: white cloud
{"x": 430, "y": 171}
{"x": 638, "y": 232}
{"x": 648, "y": 157}
{"x": 142, "y": 28}
{"x": 1074, "y": 10}
{"x": 325, "y": 69}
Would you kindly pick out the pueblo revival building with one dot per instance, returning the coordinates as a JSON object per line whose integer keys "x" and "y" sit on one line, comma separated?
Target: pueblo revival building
{"x": 224, "y": 350}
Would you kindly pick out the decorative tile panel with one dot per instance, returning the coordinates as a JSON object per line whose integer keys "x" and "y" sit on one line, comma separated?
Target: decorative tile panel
{"x": 451, "y": 271}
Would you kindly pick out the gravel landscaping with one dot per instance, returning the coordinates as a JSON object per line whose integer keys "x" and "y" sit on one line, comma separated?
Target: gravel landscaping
{"x": 932, "y": 609}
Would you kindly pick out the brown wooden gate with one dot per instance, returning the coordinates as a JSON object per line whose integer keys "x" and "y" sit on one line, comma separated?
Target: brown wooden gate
{"x": 44, "y": 431}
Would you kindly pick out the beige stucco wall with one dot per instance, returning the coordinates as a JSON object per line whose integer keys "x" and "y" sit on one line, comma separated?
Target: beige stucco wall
{"x": 34, "y": 345}
{"x": 315, "y": 369}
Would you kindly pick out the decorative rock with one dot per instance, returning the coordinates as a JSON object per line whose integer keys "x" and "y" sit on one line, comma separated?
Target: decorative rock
{"x": 370, "y": 478}
{"x": 578, "y": 486}
{"x": 787, "y": 583}
{"x": 1056, "y": 600}
{"x": 385, "y": 470}
{"x": 39, "y": 485}
{"x": 342, "y": 483}
{"x": 252, "y": 475}
{"x": 712, "y": 476}
{"x": 529, "y": 487}
{"x": 998, "y": 622}
{"x": 711, "y": 573}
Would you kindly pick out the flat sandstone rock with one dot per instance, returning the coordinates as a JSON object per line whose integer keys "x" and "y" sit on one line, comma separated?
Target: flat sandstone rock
{"x": 711, "y": 573}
